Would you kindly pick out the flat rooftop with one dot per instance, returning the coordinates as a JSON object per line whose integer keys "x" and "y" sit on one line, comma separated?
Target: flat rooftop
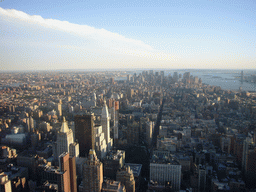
{"x": 136, "y": 168}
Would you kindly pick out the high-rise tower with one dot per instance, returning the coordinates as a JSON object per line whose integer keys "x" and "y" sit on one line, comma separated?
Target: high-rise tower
{"x": 64, "y": 138}
{"x": 92, "y": 173}
{"x": 84, "y": 133}
{"x": 30, "y": 124}
{"x": 59, "y": 109}
{"x": 67, "y": 182}
{"x": 65, "y": 141}
{"x": 64, "y": 167}
{"x": 115, "y": 118}
{"x": 5, "y": 183}
{"x": 125, "y": 175}
{"x": 105, "y": 122}
{"x": 100, "y": 142}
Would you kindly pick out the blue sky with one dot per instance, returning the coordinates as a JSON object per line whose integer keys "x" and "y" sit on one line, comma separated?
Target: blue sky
{"x": 213, "y": 34}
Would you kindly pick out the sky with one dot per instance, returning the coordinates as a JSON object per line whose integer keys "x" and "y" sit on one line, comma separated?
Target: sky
{"x": 118, "y": 34}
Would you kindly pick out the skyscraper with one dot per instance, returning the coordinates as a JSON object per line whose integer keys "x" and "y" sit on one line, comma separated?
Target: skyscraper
{"x": 59, "y": 108}
{"x": 84, "y": 132}
{"x": 116, "y": 119}
{"x": 92, "y": 173}
{"x": 246, "y": 150}
{"x": 125, "y": 175}
{"x": 64, "y": 167}
{"x": 72, "y": 169}
{"x": 30, "y": 124}
{"x": 64, "y": 177}
{"x": 64, "y": 139}
{"x": 201, "y": 178}
{"x": 112, "y": 163}
{"x": 100, "y": 142}
{"x": 5, "y": 183}
{"x": 105, "y": 122}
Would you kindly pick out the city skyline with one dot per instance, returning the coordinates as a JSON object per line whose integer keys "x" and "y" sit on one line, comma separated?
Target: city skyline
{"x": 127, "y": 34}
{"x": 171, "y": 131}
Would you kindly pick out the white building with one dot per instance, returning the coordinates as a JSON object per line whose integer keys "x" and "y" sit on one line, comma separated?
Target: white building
{"x": 74, "y": 150}
{"x": 100, "y": 142}
{"x": 59, "y": 109}
{"x": 65, "y": 141}
{"x": 164, "y": 170}
{"x": 105, "y": 122}
{"x": 5, "y": 183}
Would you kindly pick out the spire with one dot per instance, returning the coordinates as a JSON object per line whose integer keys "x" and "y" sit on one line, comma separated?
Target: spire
{"x": 94, "y": 97}
{"x": 64, "y": 127}
{"x": 92, "y": 155}
{"x": 104, "y": 113}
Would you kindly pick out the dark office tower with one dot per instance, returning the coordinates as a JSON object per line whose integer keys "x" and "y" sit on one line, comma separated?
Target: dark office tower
{"x": 84, "y": 133}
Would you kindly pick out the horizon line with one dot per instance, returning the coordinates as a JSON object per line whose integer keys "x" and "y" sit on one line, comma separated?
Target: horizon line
{"x": 117, "y": 69}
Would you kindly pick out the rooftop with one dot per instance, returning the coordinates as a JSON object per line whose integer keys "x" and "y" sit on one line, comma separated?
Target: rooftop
{"x": 163, "y": 160}
{"x": 136, "y": 168}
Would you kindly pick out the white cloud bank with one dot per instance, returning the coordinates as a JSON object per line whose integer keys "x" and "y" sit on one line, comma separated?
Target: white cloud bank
{"x": 113, "y": 42}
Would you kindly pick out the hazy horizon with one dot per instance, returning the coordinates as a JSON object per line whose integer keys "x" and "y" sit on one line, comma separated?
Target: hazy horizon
{"x": 126, "y": 70}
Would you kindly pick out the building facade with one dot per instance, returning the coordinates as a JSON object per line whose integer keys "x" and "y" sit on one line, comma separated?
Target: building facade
{"x": 5, "y": 183}
{"x": 105, "y": 122}
{"x": 125, "y": 175}
{"x": 84, "y": 133}
{"x": 64, "y": 139}
{"x": 92, "y": 174}
{"x": 100, "y": 142}
{"x": 163, "y": 170}
{"x": 112, "y": 163}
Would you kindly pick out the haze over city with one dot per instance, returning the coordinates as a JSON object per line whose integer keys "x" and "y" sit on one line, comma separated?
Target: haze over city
{"x": 49, "y": 35}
